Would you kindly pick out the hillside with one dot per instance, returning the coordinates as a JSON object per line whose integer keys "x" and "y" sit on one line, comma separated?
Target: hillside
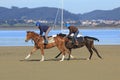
{"x": 49, "y": 13}
{"x": 102, "y": 14}
{"x": 45, "y": 13}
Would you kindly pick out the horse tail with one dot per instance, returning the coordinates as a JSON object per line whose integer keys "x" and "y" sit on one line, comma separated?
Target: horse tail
{"x": 92, "y": 38}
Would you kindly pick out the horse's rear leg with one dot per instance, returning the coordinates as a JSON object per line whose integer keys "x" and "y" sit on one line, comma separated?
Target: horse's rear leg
{"x": 28, "y": 56}
{"x": 91, "y": 52}
{"x": 96, "y": 52}
{"x": 69, "y": 54}
{"x": 58, "y": 55}
{"x": 63, "y": 55}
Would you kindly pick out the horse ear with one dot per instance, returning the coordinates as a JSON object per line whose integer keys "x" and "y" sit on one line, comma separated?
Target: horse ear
{"x": 27, "y": 31}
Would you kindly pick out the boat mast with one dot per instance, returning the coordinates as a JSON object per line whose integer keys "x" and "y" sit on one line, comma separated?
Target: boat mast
{"x": 62, "y": 16}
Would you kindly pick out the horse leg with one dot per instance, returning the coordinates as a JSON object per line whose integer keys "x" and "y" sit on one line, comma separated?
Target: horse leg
{"x": 62, "y": 51}
{"x": 42, "y": 58}
{"x": 96, "y": 52}
{"x": 69, "y": 54}
{"x": 63, "y": 57}
{"x": 58, "y": 55}
{"x": 91, "y": 52}
{"x": 42, "y": 53}
{"x": 33, "y": 50}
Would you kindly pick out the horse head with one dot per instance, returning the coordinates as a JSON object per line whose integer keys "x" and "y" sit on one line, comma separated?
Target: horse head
{"x": 29, "y": 35}
{"x": 33, "y": 36}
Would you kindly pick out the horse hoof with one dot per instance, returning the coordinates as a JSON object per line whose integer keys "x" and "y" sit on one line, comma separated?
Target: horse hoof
{"x": 87, "y": 59}
{"x": 61, "y": 60}
{"x": 72, "y": 56}
{"x": 68, "y": 59}
{"x": 26, "y": 59}
{"x": 101, "y": 58}
{"x": 41, "y": 60}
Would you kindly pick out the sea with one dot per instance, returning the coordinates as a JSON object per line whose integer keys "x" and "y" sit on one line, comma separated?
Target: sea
{"x": 17, "y": 37}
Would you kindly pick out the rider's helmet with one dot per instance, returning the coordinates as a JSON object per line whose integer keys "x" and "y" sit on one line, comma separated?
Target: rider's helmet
{"x": 67, "y": 25}
{"x": 37, "y": 24}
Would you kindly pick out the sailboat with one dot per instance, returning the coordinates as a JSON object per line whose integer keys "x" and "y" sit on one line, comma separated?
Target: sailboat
{"x": 61, "y": 11}
{"x": 62, "y": 16}
{"x": 62, "y": 22}
{"x": 64, "y": 31}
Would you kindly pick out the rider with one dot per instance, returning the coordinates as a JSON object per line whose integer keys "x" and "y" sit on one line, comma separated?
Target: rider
{"x": 42, "y": 29}
{"x": 75, "y": 31}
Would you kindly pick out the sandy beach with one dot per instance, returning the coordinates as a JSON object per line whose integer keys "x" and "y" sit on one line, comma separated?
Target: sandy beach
{"x": 12, "y": 66}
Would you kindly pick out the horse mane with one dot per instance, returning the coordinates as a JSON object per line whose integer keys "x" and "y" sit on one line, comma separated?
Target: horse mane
{"x": 61, "y": 34}
{"x": 33, "y": 33}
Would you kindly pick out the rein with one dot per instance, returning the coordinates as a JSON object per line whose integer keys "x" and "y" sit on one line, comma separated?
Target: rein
{"x": 35, "y": 39}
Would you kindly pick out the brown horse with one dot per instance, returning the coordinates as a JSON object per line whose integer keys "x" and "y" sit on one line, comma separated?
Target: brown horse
{"x": 39, "y": 44}
{"x": 83, "y": 41}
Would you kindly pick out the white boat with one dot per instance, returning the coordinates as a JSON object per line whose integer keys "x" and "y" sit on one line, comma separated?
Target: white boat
{"x": 64, "y": 31}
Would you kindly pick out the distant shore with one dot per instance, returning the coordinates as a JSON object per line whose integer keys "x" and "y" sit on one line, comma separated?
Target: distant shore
{"x": 18, "y": 28}
{"x": 56, "y": 28}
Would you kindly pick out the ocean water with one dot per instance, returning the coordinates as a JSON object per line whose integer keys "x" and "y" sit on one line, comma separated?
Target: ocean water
{"x": 17, "y": 38}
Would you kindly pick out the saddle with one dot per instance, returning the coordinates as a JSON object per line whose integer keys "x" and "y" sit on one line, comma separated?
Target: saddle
{"x": 79, "y": 39}
{"x": 50, "y": 39}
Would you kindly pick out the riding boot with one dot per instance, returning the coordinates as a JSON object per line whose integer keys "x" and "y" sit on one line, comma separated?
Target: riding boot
{"x": 76, "y": 43}
{"x": 46, "y": 42}
{"x": 73, "y": 41}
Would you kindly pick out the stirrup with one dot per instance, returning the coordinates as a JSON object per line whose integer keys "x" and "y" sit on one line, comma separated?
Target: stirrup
{"x": 76, "y": 43}
{"x": 45, "y": 42}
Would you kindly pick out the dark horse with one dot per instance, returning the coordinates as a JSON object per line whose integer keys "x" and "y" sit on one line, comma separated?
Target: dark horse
{"x": 83, "y": 41}
{"x": 39, "y": 44}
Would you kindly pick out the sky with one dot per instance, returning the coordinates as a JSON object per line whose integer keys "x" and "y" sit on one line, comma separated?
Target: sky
{"x": 73, "y": 6}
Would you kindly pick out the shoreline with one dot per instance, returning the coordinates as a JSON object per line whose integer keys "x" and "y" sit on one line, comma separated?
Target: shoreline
{"x": 35, "y": 28}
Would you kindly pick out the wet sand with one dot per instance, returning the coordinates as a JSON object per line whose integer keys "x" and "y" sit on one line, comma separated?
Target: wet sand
{"x": 12, "y": 66}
